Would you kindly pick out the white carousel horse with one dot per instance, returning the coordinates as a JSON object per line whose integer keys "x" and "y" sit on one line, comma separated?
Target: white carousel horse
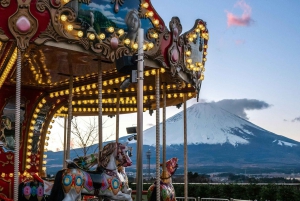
{"x": 101, "y": 183}
{"x": 167, "y": 191}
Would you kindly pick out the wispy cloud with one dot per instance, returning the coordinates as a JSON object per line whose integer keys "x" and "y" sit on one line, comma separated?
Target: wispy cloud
{"x": 296, "y": 119}
{"x": 239, "y": 106}
{"x": 244, "y": 19}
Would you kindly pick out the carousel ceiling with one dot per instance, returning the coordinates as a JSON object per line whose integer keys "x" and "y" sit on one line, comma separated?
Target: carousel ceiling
{"x": 78, "y": 39}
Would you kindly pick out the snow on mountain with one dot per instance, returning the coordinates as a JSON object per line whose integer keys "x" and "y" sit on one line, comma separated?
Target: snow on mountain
{"x": 206, "y": 124}
{"x": 283, "y": 143}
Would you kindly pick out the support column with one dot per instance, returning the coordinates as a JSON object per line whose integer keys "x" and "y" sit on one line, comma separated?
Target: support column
{"x": 118, "y": 115}
{"x": 157, "y": 98}
{"x": 100, "y": 121}
{"x": 69, "y": 107}
{"x": 65, "y": 141}
{"x": 17, "y": 126}
{"x": 139, "y": 164}
{"x": 164, "y": 128}
{"x": 185, "y": 149}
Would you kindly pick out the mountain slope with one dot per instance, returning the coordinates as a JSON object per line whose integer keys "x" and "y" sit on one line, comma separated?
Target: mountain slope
{"x": 217, "y": 141}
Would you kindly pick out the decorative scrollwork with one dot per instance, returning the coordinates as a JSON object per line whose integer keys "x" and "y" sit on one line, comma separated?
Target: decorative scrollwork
{"x": 5, "y": 3}
{"x": 3, "y": 37}
{"x": 117, "y": 3}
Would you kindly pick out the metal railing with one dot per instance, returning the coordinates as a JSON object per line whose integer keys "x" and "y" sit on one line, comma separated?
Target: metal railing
{"x": 183, "y": 199}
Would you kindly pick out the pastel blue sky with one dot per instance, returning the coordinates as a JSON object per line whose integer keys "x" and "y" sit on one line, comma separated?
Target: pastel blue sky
{"x": 253, "y": 54}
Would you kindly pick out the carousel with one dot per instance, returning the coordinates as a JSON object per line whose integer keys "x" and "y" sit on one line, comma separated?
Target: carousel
{"x": 90, "y": 58}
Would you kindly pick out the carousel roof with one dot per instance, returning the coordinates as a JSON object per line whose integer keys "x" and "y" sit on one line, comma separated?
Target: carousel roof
{"x": 63, "y": 41}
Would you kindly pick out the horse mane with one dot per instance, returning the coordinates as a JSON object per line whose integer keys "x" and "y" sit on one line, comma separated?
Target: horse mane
{"x": 104, "y": 155}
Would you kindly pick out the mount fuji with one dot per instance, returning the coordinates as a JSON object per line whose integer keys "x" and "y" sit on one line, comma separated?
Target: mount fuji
{"x": 219, "y": 141}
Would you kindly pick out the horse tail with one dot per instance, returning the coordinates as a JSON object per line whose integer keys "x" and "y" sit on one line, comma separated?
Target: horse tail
{"x": 57, "y": 193}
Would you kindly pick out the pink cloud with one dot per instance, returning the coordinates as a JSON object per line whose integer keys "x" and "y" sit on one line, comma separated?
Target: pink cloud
{"x": 239, "y": 42}
{"x": 244, "y": 20}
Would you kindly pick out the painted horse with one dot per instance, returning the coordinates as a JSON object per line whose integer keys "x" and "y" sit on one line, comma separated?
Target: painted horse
{"x": 167, "y": 192}
{"x": 72, "y": 182}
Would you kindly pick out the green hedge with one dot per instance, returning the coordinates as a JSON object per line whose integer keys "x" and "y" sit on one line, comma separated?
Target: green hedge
{"x": 270, "y": 192}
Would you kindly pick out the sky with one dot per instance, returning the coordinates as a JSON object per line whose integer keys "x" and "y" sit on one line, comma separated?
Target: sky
{"x": 253, "y": 61}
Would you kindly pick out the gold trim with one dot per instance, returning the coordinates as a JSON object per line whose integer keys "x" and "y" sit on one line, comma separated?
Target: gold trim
{"x": 3, "y": 37}
{"x": 5, "y": 3}
{"x": 9, "y": 184}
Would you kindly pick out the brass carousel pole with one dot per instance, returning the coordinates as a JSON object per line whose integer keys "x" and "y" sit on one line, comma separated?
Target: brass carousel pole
{"x": 69, "y": 107}
{"x": 117, "y": 115}
{"x": 139, "y": 164}
{"x": 157, "y": 88}
{"x": 164, "y": 129}
{"x": 100, "y": 140}
{"x": 17, "y": 126}
{"x": 185, "y": 149}
{"x": 65, "y": 141}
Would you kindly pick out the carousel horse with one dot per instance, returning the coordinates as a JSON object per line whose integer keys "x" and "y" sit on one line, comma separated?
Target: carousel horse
{"x": 72, "y": 182}
{"x": 167, "y": 191}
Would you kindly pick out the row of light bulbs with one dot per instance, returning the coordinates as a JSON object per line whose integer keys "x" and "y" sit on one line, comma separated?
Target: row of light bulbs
{"x": 38, "y": 76}
{"x": 10, "y": 64}
{"x": 30, "y": 134}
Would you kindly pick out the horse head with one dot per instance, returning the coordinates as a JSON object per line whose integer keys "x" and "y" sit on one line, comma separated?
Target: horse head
{"x": 117, "y": 152}
{"x": 171, "y": 167}
{"x": 123, "y": 155}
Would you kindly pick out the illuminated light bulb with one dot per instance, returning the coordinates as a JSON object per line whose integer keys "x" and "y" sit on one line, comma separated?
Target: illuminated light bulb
{"x": 77, "y": 89}
{"x": 145, "y": 5}
{"x": 29, "y": 147}
{"x": 30, "y": 134}
{"x": 110, "y": 29}
{"x": 154, "y": 35}
{"x": 194, "y": 35}
{"x": 205, "y": 46}
{"x": 190, "y": 94}
{"x": 144, "y": 47}
{"x": 162, "y": 70}
{"x": 204, "y": 59}
{"x": 156, "y": 22}
{"x": 132, "y": 89}
{"x": 175, "y": 95}
{"x": 102, "y": 36}
{"x": 70, "y": 27}
{"x": 44, "y": 162}
{"x": 61, "y": 93}
{"x": 135, "y": 46}
{"x": 94, "y": 86}
{"x": 150, "y": 88}
{"x": 169, "y": 96}
{"x": 35, "y": 115}
{"x": 104, "y": 83}
{"x": 147, "y": 73}
{"x": 127, "y": 41}
{"x": 37, "y": 110}
{"x": 151, "y": 97}
{"x": 28, "y": 160}
{"x": 197, "y": 30}
{"x": 202, "y": 77}
{"x": 203, "y": 70}
{"x": 150, "y": 14}
{"x": 43, "y": 101}
{"x": 150, "y": 45}
{"x": 84, "y": 109}
{"x": 56, "y": 94}
{"x": 153, "y": 72}
{"x": 205, "y": 53}
{"x": 108, "y": 90}
{"x": 168, "y": 86}
{"x": 188, "y": 53}
{"x": 121, "y": 32}
{"x": 191, "y": 39}
{"x": 66, "y": 1}
{"x": 92, "y": 36}
{"x": 44, "y": 168}
{"x": 29, "y": 140}
{"x": 28, "y": 153}
{"x": 79, "y": 102}
{"x": 189, "y": 61}
{"x": 63, "y": 18}
{"x": 51, "y": 95}
{"x": 80, "y": 34}
{"x": 75, "y": 109}
{"x": 111, "y": 82}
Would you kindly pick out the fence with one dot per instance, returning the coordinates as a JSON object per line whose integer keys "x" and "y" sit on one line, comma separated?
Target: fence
{"x": 207, "y": 199}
